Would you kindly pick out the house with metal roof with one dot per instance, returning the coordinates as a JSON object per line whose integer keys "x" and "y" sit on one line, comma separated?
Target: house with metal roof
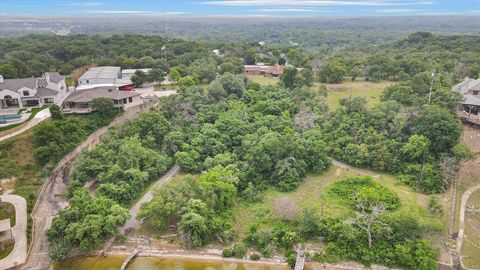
{"x": 105, "y": 76}
{"x": 81, "y": 101}
{"x": 32, "y": 92}
{"x": 469, "y": 108}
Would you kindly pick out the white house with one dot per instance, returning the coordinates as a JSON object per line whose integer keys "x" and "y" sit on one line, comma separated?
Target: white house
{"x": 32, "y": 92}
{"x": 106, "y": 76}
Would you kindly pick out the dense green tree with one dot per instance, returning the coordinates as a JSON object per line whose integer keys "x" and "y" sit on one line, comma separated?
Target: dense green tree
{"x": 333, "y": 72}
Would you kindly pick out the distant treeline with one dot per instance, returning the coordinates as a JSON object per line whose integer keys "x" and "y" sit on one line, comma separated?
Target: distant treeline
{"x": 455, "y": 56}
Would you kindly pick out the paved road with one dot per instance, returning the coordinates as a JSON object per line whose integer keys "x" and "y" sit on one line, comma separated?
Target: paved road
{"x": 133, "y": 223}
{"x": 463, "y": 205}
{"x": 48, "y": 205}
{"x": 39, "y": 117}
{"x": 19, "y": 232}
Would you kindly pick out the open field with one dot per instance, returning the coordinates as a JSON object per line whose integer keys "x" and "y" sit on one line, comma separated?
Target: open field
{"x": 369, "y": 90}
{"x": 471, "y": 243}
{"x": 312, "y": 194}
{"x": 262, "y": 80}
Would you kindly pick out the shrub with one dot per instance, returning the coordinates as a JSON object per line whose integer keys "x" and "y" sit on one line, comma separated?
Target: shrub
{"x": 291, "y": 259}
{"x": 226, "y": 253}
{"x": 121, "y": 238}
{"x": 255, "y": 257}
{"x": 239, "y": 250}
{"x": 55, "y": 112}
{"x": 364, "y": 188}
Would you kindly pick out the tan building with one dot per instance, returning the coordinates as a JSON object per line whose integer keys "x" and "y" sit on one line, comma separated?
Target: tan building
{"x": 80, "y": 101}
{"x": 268, "y": 71}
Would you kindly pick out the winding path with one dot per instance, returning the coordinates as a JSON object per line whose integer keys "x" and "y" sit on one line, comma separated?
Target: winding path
{"x": 354, "y": 169}
{"x": 19, "y": 232}
{"x": 133, "y": 223}
{"x": 461, "y": 231}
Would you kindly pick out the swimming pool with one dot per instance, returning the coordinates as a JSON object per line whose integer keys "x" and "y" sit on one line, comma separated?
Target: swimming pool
{"x": 4, "y": 119}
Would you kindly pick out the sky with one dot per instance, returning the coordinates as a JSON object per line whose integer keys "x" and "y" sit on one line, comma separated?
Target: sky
{"x": 240, "y": 7}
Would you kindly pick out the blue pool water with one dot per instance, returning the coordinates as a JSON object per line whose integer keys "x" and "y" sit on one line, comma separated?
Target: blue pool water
{"x": 9, "y": 118}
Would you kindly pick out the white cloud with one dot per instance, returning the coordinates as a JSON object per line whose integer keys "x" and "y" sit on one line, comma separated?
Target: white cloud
{"x": 441, "y": 13}
{"x": 115, "y": 12}
{"x": 397, "y": 11}
{"x": 91, "y": 3}
{"x": 290, "y": 10}
{"x": 131, "y": 12}
{"x": 313, "y": 3}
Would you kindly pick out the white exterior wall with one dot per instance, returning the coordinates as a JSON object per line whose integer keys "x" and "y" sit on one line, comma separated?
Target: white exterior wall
{"x": 31, "y": 92}
{"x": 7, "y": 92}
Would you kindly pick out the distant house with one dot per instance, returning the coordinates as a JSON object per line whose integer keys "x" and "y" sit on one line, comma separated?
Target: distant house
{"x": 81, "y": 101}
{"x": 128, "y": 73}
{"x": 5, "y": 230}
{"x": 268, "y": 71}
{"x": 32, "y": 92}
{"x": 106, "y": 76}
{"x": 470, "y": 106}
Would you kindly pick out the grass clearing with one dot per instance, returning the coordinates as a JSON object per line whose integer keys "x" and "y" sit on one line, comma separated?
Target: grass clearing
{"x": 312, "y": 193}
{"x": 471, "y": 244}
{"x": 263, "y": 80}
{"x": 369, "y": 90}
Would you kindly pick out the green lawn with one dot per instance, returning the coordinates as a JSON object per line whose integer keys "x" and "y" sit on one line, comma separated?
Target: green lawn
{"x": 312, "y": 194}
{"x": 369, "y": 90}
{"x": 471, "y": 245}
{"x": 6, "y": 248}
{"x": 262, "y": 80}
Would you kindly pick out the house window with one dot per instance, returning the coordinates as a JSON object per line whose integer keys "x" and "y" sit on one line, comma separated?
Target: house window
{"x": 26, "y": 93}
{"x": 88, "y": 81}
{"x": 476, "y": 92}
{"x": 48, "y": 100}
{"x": 115, "y": 101}
{"x": 124, "y": 101}
{"x": 130, "y": 99}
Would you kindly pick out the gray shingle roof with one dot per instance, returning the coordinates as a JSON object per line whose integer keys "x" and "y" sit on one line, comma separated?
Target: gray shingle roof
{"x": 15, "y": 84}
{"x": 472, "y": 100}
{"x": 55, "y": 77}
{"x": 46, "y": 92}
{"x": 89, "y": 95}
{"x": 467, "y": 85}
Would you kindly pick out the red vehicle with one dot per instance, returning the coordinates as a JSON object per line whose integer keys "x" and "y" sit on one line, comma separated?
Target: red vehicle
{"x": 127, "y": 87}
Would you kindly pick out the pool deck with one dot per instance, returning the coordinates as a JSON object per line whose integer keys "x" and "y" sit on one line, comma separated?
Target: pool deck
{"x": 39, "y": 117}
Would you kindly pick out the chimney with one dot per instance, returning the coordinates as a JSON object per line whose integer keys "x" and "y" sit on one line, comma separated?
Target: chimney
{"x": 47, "y": 77}
{"x": 1, "y": 79}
